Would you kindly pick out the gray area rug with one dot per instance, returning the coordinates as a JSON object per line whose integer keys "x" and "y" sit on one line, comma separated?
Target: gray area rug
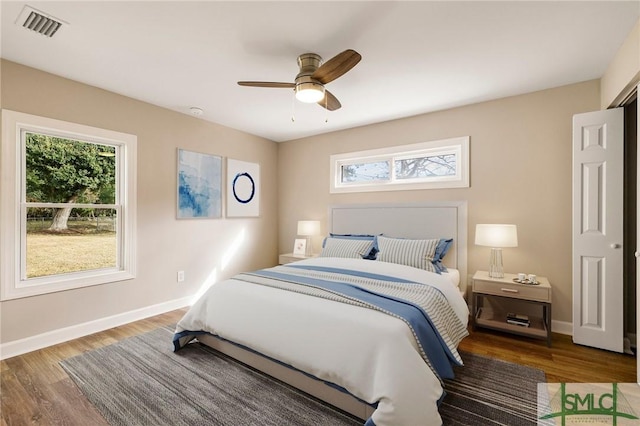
{"x": 140, "y": 381}
{"x": 487, "y": 391}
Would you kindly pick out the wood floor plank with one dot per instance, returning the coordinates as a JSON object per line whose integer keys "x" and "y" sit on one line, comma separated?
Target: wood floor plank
{"x": 36, "y": 390}
{"x": 42, "y": 392}
{"x": 19, "y": 406}
{"x": 73, "y": 405}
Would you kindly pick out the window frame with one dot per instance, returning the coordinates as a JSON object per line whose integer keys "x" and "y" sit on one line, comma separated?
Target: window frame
{"x": 14, "y": 206}
{"x": 458, "y": 146}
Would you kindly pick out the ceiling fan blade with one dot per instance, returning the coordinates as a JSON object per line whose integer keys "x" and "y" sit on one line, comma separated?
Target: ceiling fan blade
{"x": 329, "y": 101}
{"x": 267, "y": 84}
{"x": 336, "y": 66}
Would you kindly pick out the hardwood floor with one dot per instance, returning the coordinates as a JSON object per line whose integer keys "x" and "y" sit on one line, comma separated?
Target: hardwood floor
{"x": 563, "y": 362}
{"x": 35, "y": 389}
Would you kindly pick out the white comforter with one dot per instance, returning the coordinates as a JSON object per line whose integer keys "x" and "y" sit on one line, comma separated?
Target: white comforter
{"x": 372, "y": 355}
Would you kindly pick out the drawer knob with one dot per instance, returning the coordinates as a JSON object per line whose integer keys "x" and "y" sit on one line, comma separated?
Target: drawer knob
{"x": 509, "y": 290}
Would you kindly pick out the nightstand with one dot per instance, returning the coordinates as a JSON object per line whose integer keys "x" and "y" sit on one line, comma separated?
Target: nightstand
{"x": 506, "y": 290}
{"x": 290, "y": 257}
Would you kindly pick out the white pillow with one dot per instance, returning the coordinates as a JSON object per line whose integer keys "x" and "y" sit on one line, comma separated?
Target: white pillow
{"x": 416, "y": 253}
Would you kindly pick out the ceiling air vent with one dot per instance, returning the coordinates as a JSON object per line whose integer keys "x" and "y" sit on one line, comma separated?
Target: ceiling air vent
{"x": 38, "y": 21}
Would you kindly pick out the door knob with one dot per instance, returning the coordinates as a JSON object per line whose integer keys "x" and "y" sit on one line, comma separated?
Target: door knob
{"x": 615, "y": 246}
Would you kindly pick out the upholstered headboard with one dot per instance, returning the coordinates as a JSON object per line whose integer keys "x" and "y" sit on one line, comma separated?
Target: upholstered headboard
{"x": 439, "y": 219}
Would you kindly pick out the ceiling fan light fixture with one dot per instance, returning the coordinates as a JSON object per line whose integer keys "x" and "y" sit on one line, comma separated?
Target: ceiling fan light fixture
{"x": 309, "y": 92}
{"x": 309, "y": 85}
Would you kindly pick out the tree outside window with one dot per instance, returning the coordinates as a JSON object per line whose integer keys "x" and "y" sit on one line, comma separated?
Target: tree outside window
{"x": 427, "y": 166}
{"x": 70, "y": 194}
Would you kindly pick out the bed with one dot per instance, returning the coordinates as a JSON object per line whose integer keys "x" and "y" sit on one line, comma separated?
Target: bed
{"x": 352, "y": 331}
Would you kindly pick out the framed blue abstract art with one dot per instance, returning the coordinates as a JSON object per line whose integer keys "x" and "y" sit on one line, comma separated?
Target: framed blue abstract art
{"x": 243, "y": 189}
{"x": 199, "y": 185}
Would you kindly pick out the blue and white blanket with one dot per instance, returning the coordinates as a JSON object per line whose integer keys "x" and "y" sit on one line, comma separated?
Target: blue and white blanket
{"x": 389, "y": 342}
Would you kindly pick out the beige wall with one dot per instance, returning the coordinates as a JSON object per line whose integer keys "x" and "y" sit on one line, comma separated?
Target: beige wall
{"x": 623, "y": 73}
{"x": 520, "y": 173}
{"x": 165, "y": 245}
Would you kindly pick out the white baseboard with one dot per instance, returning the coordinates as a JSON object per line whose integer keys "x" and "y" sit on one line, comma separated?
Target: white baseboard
{"x": 562, "y": 327}
{"x": 29, "y": 344}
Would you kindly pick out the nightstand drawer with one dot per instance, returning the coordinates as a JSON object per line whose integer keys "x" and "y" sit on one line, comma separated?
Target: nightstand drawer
{"x": 517, "y": 291}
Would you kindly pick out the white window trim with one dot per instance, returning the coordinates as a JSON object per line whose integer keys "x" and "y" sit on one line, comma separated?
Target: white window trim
{"x": 12, "y": 285}
{"x": 458, "y": 145}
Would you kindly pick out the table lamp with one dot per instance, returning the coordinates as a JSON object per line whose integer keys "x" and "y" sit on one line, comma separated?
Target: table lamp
{"x": 308, "y": 229}
{"x": 496, "y": 236}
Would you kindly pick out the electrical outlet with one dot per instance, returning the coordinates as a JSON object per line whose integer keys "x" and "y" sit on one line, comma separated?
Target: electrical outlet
{"x": 180, "y": 276}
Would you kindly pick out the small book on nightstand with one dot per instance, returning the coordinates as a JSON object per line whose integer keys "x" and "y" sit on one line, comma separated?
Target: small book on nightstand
{"x": 518, "y": 319}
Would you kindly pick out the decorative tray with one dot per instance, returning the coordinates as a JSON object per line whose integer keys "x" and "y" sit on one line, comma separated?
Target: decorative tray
{"x": 527, "y": 282}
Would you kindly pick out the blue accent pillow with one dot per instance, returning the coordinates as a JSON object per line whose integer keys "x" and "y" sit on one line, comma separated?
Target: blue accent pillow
{"x": 441, "y": 250}
{"x": 368, "y": 254}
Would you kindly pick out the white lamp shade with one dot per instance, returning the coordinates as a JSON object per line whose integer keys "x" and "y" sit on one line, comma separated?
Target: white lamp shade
{"x": 496, "y": 235}
{"x": 308, "y": 227}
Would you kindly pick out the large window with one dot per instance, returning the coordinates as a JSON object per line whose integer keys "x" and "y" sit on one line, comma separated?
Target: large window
{"x": 68, "y": 205}
{"x": 428, "y": 165}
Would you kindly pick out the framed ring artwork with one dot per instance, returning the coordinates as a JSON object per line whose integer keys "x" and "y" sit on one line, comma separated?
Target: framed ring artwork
{"x": 243, "y": 189}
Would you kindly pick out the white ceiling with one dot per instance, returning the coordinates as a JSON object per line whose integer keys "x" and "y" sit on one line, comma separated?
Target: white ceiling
{"x": 417, "y": 57}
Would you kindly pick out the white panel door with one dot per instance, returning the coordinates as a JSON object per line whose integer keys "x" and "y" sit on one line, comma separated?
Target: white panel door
{"x": 598, "y": 150}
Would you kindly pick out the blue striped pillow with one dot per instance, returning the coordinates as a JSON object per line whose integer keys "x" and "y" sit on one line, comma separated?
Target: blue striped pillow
{"x": 371, "y": 255}
{"x": 416, "y": 253}
{"x": 344, "y": 247}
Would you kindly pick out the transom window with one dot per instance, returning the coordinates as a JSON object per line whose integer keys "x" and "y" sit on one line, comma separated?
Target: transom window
{"x": 436, "y": 164}
{"x": 68, "y": 210}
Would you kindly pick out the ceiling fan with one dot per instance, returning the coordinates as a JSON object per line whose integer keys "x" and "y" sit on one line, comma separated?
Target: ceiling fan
{"x": 313, "y": 75}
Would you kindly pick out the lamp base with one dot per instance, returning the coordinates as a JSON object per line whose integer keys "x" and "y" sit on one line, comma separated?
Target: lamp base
{"x": 495, "y": 263}
{"x": 308, "y": 251}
